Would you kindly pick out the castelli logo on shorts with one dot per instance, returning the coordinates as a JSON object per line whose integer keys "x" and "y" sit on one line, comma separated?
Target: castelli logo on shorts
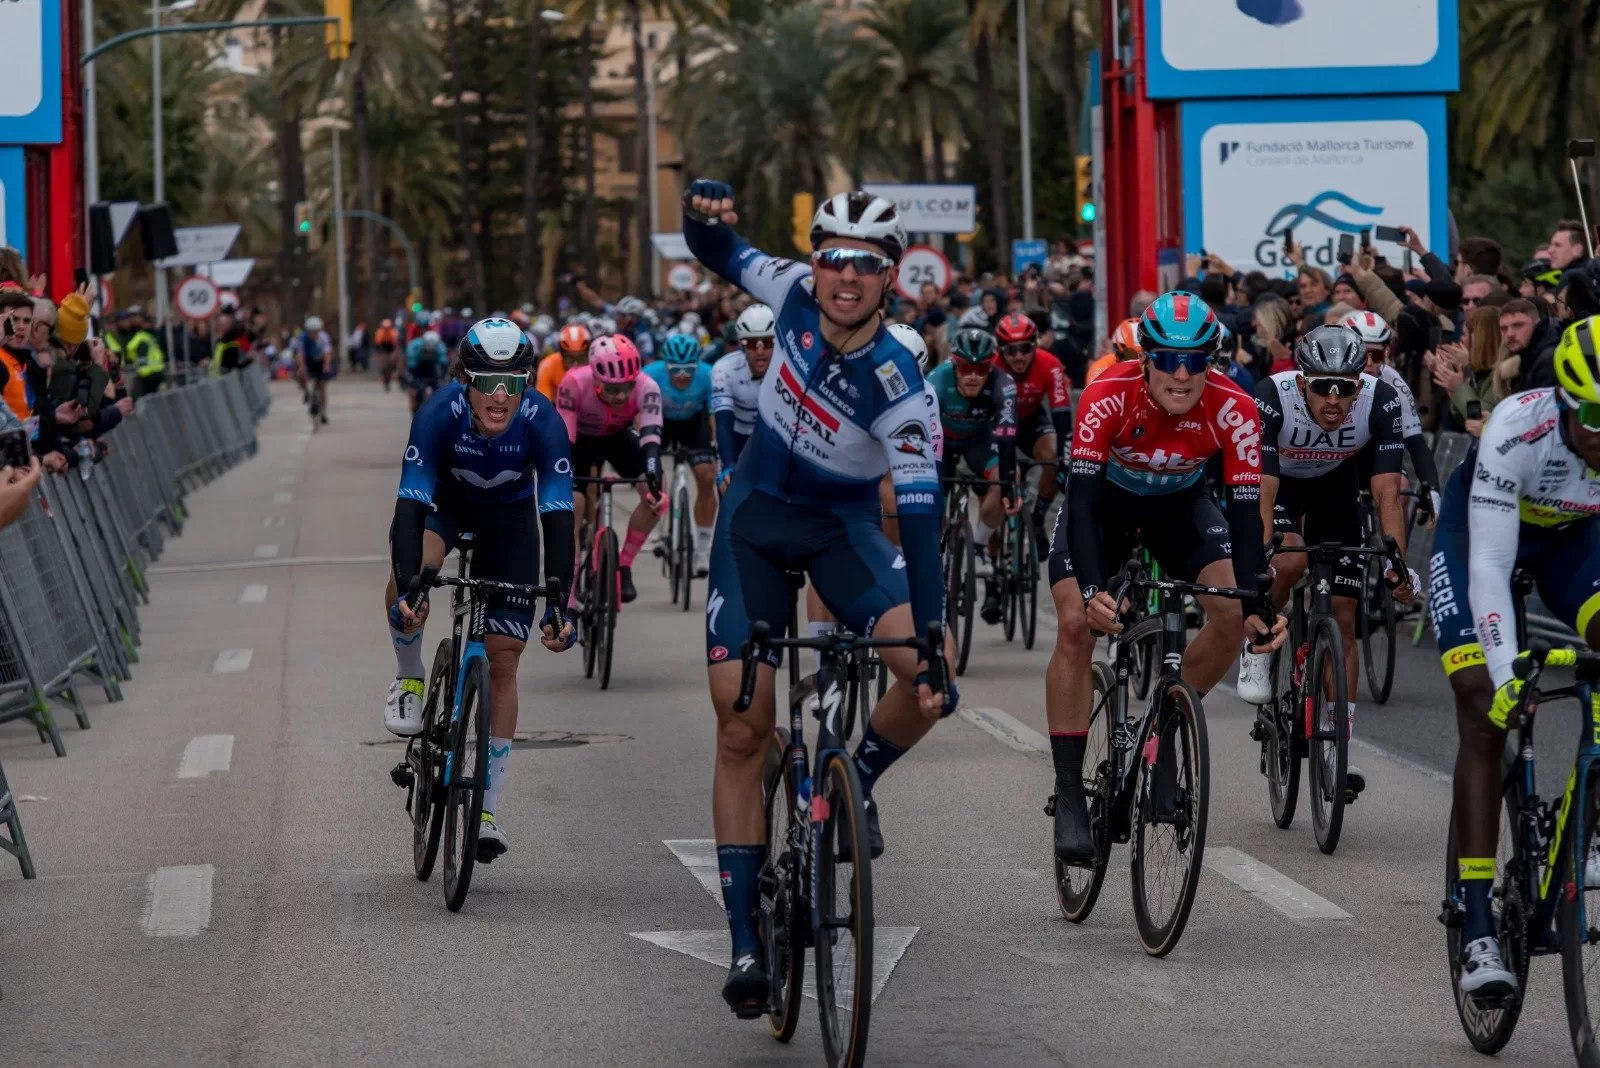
{"x": 806, "y": 339}
{"x": 719, "y": 652}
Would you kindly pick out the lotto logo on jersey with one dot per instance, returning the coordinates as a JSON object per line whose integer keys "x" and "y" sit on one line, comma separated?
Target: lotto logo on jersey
{"x": 1241, "y": 430}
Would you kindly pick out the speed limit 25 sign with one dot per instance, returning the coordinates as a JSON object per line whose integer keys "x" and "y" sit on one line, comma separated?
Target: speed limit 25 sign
{"x": 921, "y": 265}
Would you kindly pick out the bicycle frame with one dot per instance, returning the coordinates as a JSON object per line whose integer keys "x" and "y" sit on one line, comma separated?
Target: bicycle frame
{"x": 467, "y": 614}
{"x": 599, "y": 518}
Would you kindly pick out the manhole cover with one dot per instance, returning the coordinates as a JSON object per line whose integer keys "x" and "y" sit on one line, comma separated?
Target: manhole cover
{"x": 539, "y": 739}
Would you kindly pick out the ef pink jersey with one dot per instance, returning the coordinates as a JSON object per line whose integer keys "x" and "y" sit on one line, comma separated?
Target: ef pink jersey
{"x": 582, "y": 409}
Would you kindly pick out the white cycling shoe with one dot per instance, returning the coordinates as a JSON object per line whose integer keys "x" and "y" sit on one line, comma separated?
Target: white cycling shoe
{"x": 702, "y": 563}
{"x": 1483, "y": 972}
{"x": 1591, "y": 869}
{"x": 1255, "y": 685}
{"x": 492, "y": 841}
{"x": 402, "y": 709}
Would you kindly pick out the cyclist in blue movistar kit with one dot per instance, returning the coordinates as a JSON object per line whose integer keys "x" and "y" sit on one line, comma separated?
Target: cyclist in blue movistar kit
{"x": 685, "y": 405}
{"x": 426, "y": 360}
{"x": 841, "y": 405}
{"x": 486, "y": 455}
{"x": 736, "y": 384}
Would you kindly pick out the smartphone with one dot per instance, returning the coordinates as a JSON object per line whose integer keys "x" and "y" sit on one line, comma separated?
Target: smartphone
{"x": 1474, "y": 409}
{"x": 80, "y": 277}
{"x": 1580, "y": 148}
{"x": 1406, "y": 262}
{"x": 1288, "y": 241}
{"x": 1392, "y": 234}
{"x": 1205, "y": 262}
{"x": 1347, "y": 248}
{"x": 14, "y": 447}
{"x": 1366, "y": 240}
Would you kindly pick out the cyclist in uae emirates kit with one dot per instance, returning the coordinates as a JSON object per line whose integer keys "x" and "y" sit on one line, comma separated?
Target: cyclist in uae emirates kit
{"x": 1144, "y": 434}
{"x": 1044, "y": 408}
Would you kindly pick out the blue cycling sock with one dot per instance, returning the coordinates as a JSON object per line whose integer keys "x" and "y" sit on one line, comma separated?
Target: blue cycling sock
{"x": 740, "y": 866}
{"x": 874, "y": 756}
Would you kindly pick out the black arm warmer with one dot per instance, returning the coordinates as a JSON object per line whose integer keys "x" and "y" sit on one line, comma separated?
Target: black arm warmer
{"x": 557, "y": 529}
{"x": 405, "y": 541}
{"x": 1249, "y": 555}
{"x": 1422, "y": 460}
{"x": 1083, "y": 530}
{"x": 1062, "y": 421}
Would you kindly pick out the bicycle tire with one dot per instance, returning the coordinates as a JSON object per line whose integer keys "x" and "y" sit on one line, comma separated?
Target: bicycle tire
{"x": 1377, "y": 623}
{"x": 685, "y": 549}
{"x": 1328, "y": 737}
{"x": 954, "y": 582}
{"x": 427, "y": 794}
{"x": 1282, "y": 750}
{"x": 1006, "y": 575}
{"x": 1099, "y": 786}
{"x": 784, "y": 915}
{"x": 669, "y": 555}
{"x": 1573, "y": 925}
{"x": 1030, "y": 590}
{"x": 586, "y": 611}
{"x": 844, "y": 1039}
{"x": 609, "y": 598}
{"x": 464, "y": 793}
{"x": 969, "y": 597}
{"x": 1179, "y": 701}
{"x": 1489, "y": 1028}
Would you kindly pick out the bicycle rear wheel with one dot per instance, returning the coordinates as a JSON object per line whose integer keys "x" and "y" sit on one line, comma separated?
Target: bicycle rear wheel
{"x": 1029, "y": 609}
{"x": 1377, "y": 622}
{"x": 469, "y": 767}
{"x": 425, "y": 755}
{"x": 1077, "y": 888}
{"x": 608, "y": 598}
{"x": 1580, "y": 942}
{"x": 1489, "y": 1027}
{"x": 1283, "y": 747}
{"x": 955, "y": 583}
{"x": 586, "y": 611}
{"x": 784, "y": 915}
{"x": 1327, "y": 732}
{"x": 1169, "y": 833}
{"x": 844, "y": 906}
{"x": 969, "y": 597}
{"x": 1007, "y": 569}
{"x": 685, "y": 549}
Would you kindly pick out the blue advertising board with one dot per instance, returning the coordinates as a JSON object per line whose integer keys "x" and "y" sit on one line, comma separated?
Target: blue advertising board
{"x": 1026, "y": 253}
{"x": 30, "y": 108}
{"x": 1314, "y": 167}
{"x": 1277, "y": 48}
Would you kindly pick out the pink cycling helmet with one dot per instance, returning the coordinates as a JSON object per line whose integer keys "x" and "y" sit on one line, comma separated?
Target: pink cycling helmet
{"x": 614, "y": 359}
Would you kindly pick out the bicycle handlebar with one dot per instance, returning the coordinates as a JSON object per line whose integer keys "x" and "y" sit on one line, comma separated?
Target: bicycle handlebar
{"x": 429, "y": 578}
{"x": 761, "y": 640}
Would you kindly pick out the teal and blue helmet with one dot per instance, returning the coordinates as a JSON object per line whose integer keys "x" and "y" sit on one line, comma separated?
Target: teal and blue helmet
{"x": 680, "y": 350}
{"x": 1179, "y": 320}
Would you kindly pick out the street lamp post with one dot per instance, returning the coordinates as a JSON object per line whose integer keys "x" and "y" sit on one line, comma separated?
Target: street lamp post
{"x": 654, "y": 179}
{"x": 1022, "y": 114}
{"x": 338, "y": 221}
{"x": 159, "y": 163}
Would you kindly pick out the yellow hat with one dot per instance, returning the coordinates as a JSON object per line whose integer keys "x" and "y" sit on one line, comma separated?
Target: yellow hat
{"x": 72, "y": 319}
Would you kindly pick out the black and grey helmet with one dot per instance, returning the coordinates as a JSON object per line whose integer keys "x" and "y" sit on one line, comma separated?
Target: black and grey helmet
{"x": 1331, "y": 350}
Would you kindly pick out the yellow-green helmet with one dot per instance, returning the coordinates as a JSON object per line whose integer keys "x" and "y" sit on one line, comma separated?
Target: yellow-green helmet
{"x": 1577, "y": 364}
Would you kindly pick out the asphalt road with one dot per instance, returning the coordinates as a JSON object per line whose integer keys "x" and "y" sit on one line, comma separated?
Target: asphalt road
{"x": 226, "y": 871}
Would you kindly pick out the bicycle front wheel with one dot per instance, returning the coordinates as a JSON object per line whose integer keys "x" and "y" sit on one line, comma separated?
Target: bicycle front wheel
{"x": 969, "y": 598}
{"x": 784, "y": 915}
{"x": 425, "y": 755}
{"x": 1327, "y": 733}
{"x": 1282, "y": 749}
{"x": 685, "y": 548}
{"x": 1169, "y": 834}
{"x": 1078, "y": 888}
{"x": 844, "y": 907}
{"x": 1029, "y": 594}
{"x": 1377, "y": 624}
{"x": 587, "y": 609}
{"x": 469, "y": 768}
{"x": 1489, "y": 1027}
{"x": 1013, "y": 545}
{"x": 1580, "y": 942}
{"x": 608, "y": 598}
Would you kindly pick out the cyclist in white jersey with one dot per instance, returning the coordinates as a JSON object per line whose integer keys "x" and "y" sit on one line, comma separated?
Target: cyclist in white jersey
{"x": 1379, "y": 339}
{"x": 736, "y": 384}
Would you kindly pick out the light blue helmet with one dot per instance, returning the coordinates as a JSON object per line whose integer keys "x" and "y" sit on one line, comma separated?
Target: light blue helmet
{"x": 680, "y": 350}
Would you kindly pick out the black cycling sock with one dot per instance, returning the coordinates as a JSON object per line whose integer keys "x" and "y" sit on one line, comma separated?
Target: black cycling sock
{"x": 1477, "y": 882}
{"x": 1066, "y": 753}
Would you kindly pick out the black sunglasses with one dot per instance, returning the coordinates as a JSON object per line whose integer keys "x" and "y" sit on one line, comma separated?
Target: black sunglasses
{"x": 1336, "y": 387}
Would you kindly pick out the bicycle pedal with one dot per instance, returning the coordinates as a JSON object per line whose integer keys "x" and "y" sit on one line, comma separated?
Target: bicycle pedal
{"x": 1452, "y": 915}
{"x": 401, "y": 774}
{"x": 1050, "y": 806}
{"x": 1258, "y": 732}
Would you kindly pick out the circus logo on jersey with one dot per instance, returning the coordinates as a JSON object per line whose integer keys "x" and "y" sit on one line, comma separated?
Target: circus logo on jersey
{"x": 1241, "y": 429}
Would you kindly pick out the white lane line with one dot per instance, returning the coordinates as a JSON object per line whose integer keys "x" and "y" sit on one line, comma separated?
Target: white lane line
{"x": 272, "y": 521}
{"x": 288, "y": 480}
{"x": 232, "y": 661}
{"x": 1409, "y": 765}
{"x": 282, "y": 497}
{"x": 266, "y": 552}
{"x": 205, "y": 754}
{"x": 248, "y": 565}
{"x": 254, "y": 593}
{"x": 178, "y": 901}
{"x": 699, "y": 855}
{"x": 1270, "y": 885}
{"x": 1006, "y": 729}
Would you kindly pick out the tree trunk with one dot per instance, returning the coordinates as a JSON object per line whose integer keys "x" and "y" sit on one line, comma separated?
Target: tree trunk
{"x": 531, "y": 236}
{"x": 374, "y": 257}
{"x": 938, "y": 156}
{"x": 589, "y": 231}
{"x": 292, "y": 267}
{"x": 642, "y": 156}
{"x": 916, "y": 161}
{"x": 486, "y": 176}
{"x": 994, "y": 150}
{"x": 1071, "y": 84}
{"x": 469, "y": 236}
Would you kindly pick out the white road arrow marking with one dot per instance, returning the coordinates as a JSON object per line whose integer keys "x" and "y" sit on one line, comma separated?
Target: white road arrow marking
{"x": 699, "y": 855}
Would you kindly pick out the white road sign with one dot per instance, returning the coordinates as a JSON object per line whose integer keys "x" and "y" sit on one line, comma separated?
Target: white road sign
{"x": 201, "y": 244}
{"x": 683, "y": 276}
{"x": 922, "y": 264}
{"x": 198, "y": 297}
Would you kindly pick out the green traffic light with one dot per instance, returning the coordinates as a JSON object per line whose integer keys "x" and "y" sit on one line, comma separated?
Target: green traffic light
{"x": 417, "y": 307}
{"x": 305, "y": 227}
{"x": 1087, "y": 213}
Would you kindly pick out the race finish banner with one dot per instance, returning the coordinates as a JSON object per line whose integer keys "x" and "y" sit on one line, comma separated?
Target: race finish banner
{"x": 931, "y": 209}
{"x": 1314, "y": 168}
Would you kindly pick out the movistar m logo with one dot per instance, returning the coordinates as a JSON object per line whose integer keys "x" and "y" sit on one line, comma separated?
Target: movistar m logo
{"x": 1292, "y": 215}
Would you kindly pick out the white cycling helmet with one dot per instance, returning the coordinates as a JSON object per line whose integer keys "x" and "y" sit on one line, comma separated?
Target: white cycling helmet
{"x": 631, "y": 306}
{"x": 861, "y": 216}
{"x": 911, "y": 338}
{"x": 466, "y": 313}
{"x": 754, "y": 321}
{"x": 1370, "y": 325}
{"x": 313, "y": 323}
{"x": 544, "y": 326}
{"x": 974, "y": 316}
{"x": 603, "y": 326}
{"x": 691, "y": 319}
{"x": 431, "y": 339}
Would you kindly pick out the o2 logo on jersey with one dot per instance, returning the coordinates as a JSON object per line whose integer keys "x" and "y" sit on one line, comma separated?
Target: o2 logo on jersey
{"x": 412, "y": 455}
{"x": 563, "y": 466}
{"x": 1241, "y": 428}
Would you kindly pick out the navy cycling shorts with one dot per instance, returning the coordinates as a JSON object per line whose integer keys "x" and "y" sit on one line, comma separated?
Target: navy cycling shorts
{"x": 1563, "y": 561}
{"x": 857, "y": 572}
{"x": 505, "y": 548}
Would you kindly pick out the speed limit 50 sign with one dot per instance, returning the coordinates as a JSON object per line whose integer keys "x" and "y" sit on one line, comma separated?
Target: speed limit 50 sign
{"x": 198, "y": 298}
{"x": 921, "y": 265}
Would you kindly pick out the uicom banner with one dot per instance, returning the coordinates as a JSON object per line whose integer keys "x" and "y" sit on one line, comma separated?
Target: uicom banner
{"x": 932, "y": 209}
{"x": 1318, "y": 168}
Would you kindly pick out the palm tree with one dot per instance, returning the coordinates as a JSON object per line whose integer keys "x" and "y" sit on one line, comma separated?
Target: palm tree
{"x": 587, "y": 13}
{"x": 984, "y": 18}
{"x": 532, "y": 150}
{"x": 469, "y": 235}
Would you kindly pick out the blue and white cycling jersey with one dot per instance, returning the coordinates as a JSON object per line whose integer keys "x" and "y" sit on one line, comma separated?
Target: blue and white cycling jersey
{"x": 830, "y": 425}
{"x": 423, "y": 364}
{"x": 680, "y": 404}
{"x": 734, "y": 396}
{"x": 446, "y": 453}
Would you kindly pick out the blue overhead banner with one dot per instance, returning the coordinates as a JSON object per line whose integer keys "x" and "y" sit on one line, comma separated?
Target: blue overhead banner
{"x": 30, "y": 108}
{"x": 1256, "y": 169}
{"x": 1276, "y": 48}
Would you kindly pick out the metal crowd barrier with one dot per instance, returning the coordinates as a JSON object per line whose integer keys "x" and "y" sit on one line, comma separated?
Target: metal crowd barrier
{"x": 73, "y": 568}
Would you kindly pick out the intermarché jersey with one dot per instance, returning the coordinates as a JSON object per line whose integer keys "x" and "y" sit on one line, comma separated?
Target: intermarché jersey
{"x": 1526, "y": 473}
{"x": 587, "y": 414}
{"x": 446, "y": 450}
{"x": 1294, "y": 445}
{"x": 993, "y": 411}
{"x": 1148, "y": 452}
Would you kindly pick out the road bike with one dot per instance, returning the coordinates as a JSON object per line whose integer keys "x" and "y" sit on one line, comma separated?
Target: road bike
{"x": 1017, "y": 570}
{"x": 1309, "y": 715}
{"x": 816, "y": 886}
{"x": 1541, "y": 892}
{"x": 960, "y": 564}
{"x": 677, "y": 548}
{"x": 1146, "y": 778}
{"x": 599, "y": 581}
{"x": 446, "y": 766}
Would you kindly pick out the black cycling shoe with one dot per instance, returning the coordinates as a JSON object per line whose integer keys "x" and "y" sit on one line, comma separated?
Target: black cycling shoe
{"x": 874, "y": 836}
{"x": 747, "y": 988}
{"x": 990, "y": 612}
{"x": 629, "y": 594}
{"x": 1072, "y": 839}
{"x": 1354, "y": 783}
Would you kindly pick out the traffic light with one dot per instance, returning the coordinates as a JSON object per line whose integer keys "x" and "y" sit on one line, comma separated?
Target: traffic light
{"x": 414, "y": 298}
{"x": 1085, "y": 173}
{"x": 337, "y": 34}
{"x": 805, "y": 206}
{"x": 302, "y": 218}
